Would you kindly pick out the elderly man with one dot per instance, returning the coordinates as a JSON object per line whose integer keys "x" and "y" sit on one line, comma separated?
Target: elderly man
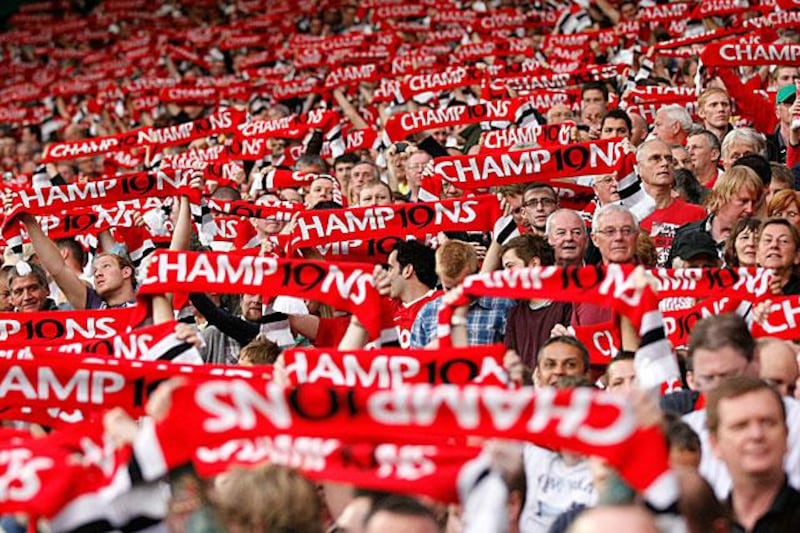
{"x": 566, "y": 233}
{"x": 614, "y": 232}
{"x": 749, "y": 433}
{"x": 672, "y": 124}
{"x": 656, "y": 169}
{"x": 741, "y": 142}
{"x": 705, "y": 151}
{"x": 415, "y": 165}
{"x": 735, "y": 196}
{"x": 29, "y": 288}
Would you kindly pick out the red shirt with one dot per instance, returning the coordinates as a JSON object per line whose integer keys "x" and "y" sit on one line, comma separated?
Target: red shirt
{"x": 662, "y": 224}
{"x": 396, "y": 321}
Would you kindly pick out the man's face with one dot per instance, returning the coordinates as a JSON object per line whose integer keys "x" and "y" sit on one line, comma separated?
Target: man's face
{"x": 321, "y": 190}
{"x": 783, "y": 111}
{"x": 716, "y": 111}
{"x": 712, "y": 366}
{"x": 557, "y": 360}
{"x": 639, "y": 130}
{"x": 415, "y": 164}
{"x": 628, "y": 10}
{"x": 517, "y": 210}
{"x": 592, "y": 114}
{"x": 593, "y": 96}
{"x": 108, "y": 275}
{"x": 27, "y": 294}
{"x": 568, "y": 238}
{"x": 252, "y": 307}
{"x": 510, "y": 260}
{"x": 621, "y": 376}
{"x": 375, "y": 195}
{"x": 778, "y": 365}
{"x": 614, "y": 127}
{"x": 360, "y": 174}
{"x": 664, "y": 128}
{"x": 5, "y": 293}
{"x": 342, "y": 171}
{"x": 682, "y": 158}
{"x": 776, "y": 248}
{"x": 559, "y": 113}
{"x": 751, "y": 436}
{"x": 396, "y": 279}
{"x": 742, "y": 205}
{"x": 701, "y": 154}
{"x": 606, "y": 188}
{"x": 616, "y": 238}
{"x": 786, "y": 76}
{"x": 539, "y": 203}
{"x": 657, "y": 165}
{"x": 738, "y": 150}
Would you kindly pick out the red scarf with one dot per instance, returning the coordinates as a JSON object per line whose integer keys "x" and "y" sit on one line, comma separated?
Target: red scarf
{"x": 56, "y": 327}
{"x": 349, "y": 287}
{"x": 389, "y": 368}
{"x": 781, "y": 321}
{"x": 427, "y": 218}
{"x": 539, "y": 164}
{"x": 732, "y": 53}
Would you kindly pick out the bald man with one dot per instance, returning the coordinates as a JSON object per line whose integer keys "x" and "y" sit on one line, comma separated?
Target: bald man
{"x": 777, "y": 364}
{"x": 607, "y": 519}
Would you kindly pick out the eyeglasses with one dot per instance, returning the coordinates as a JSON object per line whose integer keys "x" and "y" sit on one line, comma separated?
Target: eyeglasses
{"x": 625, "y": 231}
{"x": 544, "y": 202}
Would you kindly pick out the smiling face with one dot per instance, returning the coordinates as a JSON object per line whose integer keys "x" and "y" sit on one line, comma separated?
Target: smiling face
{"x": 568, "y": 238}
{"x": 557, "y": 360}
{"x": 27, "y": 294}
{"x": 777, "y": 248}
{"x": 745, "y": 245}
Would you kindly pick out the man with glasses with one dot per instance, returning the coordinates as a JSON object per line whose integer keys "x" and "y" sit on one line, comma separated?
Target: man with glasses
{"x": 539, "y": 200}
{"x": 722, "y": 347}
{"x": 657, "y": 170}
{"x": 614, "y": 233}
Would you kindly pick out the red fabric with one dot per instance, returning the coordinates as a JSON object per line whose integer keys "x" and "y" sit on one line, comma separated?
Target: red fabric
{"x": 758, "y": 109}
{"x": 345, "y": 286}
{"x": 662, "y": 224}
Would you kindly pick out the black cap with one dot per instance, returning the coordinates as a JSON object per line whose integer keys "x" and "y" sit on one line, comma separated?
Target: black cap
{"x": 696, "y": 244}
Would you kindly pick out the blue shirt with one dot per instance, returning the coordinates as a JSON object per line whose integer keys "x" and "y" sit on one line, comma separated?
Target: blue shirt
{"x": 486, "y": 321}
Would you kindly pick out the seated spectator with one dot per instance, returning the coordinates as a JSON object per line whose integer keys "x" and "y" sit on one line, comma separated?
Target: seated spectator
{"x": 741, "y": 244}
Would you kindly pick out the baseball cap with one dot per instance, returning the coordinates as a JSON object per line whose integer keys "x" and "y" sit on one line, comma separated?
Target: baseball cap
{"x": 697, "y": 244}
{"x": 786, "y": 93}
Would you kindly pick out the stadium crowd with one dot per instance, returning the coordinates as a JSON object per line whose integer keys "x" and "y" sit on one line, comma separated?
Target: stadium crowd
{"x": 400, "y": 211}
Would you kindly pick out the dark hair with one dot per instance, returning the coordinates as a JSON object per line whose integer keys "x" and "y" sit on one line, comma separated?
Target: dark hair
{"x": 734, "y": 387}
{"x": 785, "y": 223}
{"x": 536, "y": 185}
{"x": 401, "y": 505}
{"x": 75, "y": 249}
{"x": 595, "y": 86}
{"x": 687, "y": 184}
{"x": 570, "y": 341}
{"x": 421, "y": 257}
{"x": 528, "y": 246}
{"x": 349, "y": 157}
{"x": 619, "y": 114}
{"x": 744, "y": 224}
{"x": 759, "y": 164}
{"x": 680, "y": 435}
{"x": 713, "y": 140}
{"x": 720, "y": 331}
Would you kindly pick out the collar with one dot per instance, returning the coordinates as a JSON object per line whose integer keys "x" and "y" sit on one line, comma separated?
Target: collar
{"x": 779, "y": 505}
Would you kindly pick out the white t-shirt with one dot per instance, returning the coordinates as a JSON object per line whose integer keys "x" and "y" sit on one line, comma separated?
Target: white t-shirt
{"x": 553, "y": 487}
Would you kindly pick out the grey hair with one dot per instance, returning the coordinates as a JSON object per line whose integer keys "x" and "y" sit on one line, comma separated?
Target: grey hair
{"x": 548, "y": 225}
{"x": 677, "y": 113}
{"x": 641, "y": 148}
{"x": 748, "y": 135}
{"x": 609, "y": 209}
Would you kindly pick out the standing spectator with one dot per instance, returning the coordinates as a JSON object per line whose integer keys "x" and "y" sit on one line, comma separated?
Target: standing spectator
{"x": 705, "y": 151}
{"x": 714, "y": 108}
{"x": 672, "y": 124}
{"x": 539, "y": 200}
{"x": 415, "y": 164}
{"x": 779, "y": 139}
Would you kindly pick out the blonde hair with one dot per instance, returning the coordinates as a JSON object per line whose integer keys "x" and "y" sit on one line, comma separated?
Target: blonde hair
{"x": 268, "y": 498}
{"x": 455, "y": 256}
{"x": 708, "y": 93}
{"x": 731, "y": 183}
